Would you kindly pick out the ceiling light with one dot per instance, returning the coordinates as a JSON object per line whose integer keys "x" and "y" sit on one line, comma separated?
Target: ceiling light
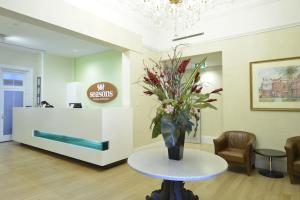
{"x": 17, "y": 39}
{"x": 178, "y": 15}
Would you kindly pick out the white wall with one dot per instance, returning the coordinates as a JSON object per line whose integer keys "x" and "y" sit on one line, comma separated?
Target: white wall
{"x": 271, "y": 128}
{"x": 144, "y": 107}
{"x": 24, "y": 58}
{"x": 212, "y": 120}
{"x": 58, "y": 71}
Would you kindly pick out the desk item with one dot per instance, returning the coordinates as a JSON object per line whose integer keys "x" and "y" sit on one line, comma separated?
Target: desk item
{"x": 45, "y": 104}
{"x": 195, "y": 165}
{"x": 75, "y": 105}
{"x": 270, "y": 154}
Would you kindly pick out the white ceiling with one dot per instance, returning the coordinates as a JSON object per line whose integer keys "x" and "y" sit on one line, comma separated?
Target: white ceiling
{"x": 53, "y": 42}
{"x": 240, "y": 17}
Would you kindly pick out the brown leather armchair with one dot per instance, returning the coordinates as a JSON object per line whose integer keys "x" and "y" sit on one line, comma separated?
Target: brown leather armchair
{"x": 292, "y": 148}
{"x": 236, "y": 147}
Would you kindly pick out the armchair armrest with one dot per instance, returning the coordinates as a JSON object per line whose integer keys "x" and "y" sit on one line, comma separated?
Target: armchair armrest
{"x": 250, "y": 144}
{"x": 220, "y": 143}
{"x": 291, "y": 150}
{"x": 249, "y": 149}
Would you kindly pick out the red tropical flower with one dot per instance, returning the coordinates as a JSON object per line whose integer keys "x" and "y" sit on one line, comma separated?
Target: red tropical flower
{"x": 148, "y": 92}
{"x": 147, "y": 80}
{"x": 197, "y": 77}
{"x": 153, "y": 78}
{"x": 210, "y": 100}
{"x": 217, "y": 90}
{"x": 198, "y": 90}
{"x": 194, "y": 87}
{"x": 183, "y": 65}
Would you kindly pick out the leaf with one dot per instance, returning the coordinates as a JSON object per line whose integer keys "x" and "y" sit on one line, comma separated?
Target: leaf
{"x": 201, "y": 105}
{"x": 201, "y": 97}
{"x": 168, "y": 101}
{"x": 159, "y": 93}
{"x": 211, "y": 106}
{"x": 169, "y": 131}
{"x": 156, "y": 131}
{"x": 183, "y": 121}
{"x": 190, "y": 80}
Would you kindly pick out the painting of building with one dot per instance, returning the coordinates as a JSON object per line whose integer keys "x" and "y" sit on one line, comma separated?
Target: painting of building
{"x": 280, "y": 84}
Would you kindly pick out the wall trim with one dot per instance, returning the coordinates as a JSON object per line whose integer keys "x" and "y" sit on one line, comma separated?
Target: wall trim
{"x": 207, "y": 139}
{"x": 152, "y": 145}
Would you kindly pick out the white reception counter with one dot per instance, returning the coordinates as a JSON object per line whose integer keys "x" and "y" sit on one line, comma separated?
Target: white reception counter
{"x": 98, "y": 136}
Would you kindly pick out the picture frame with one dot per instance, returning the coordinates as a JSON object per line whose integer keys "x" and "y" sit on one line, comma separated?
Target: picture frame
{"x": 275, "y": 85}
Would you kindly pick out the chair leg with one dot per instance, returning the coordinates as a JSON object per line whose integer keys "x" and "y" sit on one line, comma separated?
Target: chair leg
{"x": 249, "y": 168}
{"x": 292, "y": 179}
{"x": 248, "y": 171}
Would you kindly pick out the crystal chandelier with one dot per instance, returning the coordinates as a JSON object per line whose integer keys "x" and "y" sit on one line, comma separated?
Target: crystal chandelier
{"x": 179, "y": 15}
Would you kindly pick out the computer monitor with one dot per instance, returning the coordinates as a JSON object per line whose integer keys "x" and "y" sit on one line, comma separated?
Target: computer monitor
{"x": 75, "y": 105}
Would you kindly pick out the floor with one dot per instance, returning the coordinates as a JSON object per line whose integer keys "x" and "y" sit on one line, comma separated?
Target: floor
{"x": 28, "y": 173}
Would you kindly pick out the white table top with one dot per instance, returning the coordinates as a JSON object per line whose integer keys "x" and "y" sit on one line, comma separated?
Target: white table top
{"x": 195, "y": 165}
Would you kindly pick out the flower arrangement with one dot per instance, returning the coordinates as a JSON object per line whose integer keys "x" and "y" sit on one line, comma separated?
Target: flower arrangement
{"x": 180, "y": 95}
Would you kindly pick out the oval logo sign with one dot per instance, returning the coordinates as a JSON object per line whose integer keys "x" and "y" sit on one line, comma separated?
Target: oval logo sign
{"x": 102, "y": 92}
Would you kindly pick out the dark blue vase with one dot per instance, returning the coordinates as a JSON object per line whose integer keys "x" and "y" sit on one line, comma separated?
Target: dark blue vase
{"x": 176, "y": 152}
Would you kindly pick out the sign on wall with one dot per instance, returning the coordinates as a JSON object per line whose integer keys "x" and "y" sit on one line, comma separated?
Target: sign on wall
{"x": 102, "y": 92}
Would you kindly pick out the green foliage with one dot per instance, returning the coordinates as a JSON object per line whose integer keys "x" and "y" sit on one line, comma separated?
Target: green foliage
{"x": 180, "y": 101}
{"x": 156, "y": 130}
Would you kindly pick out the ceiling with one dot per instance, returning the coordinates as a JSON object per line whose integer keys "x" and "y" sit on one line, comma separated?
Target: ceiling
{"x": 236, "y": 18}
{"x": 34, "y": 37}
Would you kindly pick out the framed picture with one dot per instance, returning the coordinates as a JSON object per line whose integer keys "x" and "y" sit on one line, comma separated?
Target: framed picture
{"x": 275, "y": 85}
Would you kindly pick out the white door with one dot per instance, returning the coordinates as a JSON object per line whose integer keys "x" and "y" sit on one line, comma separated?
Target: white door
{"x": 12, "y": 93}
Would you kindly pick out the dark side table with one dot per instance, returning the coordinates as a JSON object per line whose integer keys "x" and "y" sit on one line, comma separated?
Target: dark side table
{"x": 270, "y": 154}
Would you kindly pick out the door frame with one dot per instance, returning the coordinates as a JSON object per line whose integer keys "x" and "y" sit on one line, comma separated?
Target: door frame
{"x": 27, "y": 89}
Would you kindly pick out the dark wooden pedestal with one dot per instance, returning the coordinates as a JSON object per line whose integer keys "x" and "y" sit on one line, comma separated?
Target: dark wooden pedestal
{"x": 172, "y": 190}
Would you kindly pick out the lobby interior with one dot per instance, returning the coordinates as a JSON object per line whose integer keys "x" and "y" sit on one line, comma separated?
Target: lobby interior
{"x": 60, "y": 49}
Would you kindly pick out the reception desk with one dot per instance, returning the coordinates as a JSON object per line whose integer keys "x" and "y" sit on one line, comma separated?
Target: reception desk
{"x": 98, "y": 136}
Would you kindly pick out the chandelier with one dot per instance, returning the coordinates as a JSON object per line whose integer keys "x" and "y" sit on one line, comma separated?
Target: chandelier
{"x": 179, "y": 15}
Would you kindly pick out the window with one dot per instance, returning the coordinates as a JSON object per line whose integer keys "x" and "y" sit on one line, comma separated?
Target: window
{"x": 13, "y": 79}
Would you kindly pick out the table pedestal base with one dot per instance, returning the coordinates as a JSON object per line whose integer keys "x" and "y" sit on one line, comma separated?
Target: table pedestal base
{"x": 172, "y": 190}
{"x": 271, "y": 174}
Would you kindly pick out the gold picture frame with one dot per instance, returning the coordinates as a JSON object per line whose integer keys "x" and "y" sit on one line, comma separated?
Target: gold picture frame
{"x": 275, "y": 85}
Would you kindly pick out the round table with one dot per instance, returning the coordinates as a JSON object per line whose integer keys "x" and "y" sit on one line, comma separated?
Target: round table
{"x": 195, "y": 165}
{"x": 270, "y": 154}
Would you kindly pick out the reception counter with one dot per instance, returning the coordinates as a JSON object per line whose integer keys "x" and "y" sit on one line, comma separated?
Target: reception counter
{"x": 98, "y": 136}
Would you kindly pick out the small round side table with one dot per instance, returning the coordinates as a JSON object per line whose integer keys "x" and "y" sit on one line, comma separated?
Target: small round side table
{"x": 270, "y": 154}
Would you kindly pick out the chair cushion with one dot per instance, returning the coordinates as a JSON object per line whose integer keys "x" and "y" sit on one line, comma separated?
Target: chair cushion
{"x": 296, "y": 165}
{"x": 233, "y": 155}
{"x": 237, "y": 140}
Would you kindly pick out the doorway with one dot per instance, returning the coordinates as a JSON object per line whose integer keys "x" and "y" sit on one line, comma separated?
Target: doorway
{"x": 13, "y": 89}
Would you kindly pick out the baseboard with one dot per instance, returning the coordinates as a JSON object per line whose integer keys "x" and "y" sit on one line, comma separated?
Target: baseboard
{"x": 207, "y": 139}
{"x": 151, "y": 145}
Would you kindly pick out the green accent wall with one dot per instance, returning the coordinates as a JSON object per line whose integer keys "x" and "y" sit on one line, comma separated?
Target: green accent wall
{"x": 101, "y": 67}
